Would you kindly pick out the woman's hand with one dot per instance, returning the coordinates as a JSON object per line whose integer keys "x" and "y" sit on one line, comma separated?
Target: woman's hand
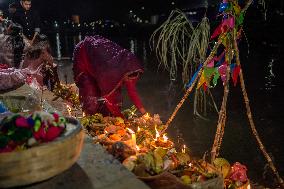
{"x": 142, "y": 111}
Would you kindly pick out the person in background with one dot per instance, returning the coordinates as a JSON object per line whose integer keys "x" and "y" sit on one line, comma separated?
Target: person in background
{"x": 11, "y": 43}
{"x": 39, "y": 63}
{"x": 29, "y": 19}
{"x": 101, "y": 68}
{"x": 12, "y": 9}
{"x": 2, "y": 23}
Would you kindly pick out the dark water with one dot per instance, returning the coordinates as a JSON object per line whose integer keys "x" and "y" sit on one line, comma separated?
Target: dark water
{"x": 262, "y": 67}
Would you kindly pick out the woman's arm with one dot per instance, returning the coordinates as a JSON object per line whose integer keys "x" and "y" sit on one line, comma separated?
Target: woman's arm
{"x": 130, "y": 84}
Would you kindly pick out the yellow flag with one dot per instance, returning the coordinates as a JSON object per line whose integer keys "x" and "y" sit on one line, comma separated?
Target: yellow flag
{"x": 201, "y": 80}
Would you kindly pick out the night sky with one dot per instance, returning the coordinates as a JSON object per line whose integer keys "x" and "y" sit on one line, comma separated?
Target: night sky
{"x": 94, "y": 9}
{"x": 110, "y": 9}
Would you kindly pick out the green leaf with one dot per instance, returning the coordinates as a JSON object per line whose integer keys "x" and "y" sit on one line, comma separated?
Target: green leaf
{"x": 216, "y": 77}
{"x": 241, "y": 18}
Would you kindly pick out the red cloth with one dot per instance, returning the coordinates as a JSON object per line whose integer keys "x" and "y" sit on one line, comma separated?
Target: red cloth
{"x": 132, "y": 92}
{"x": 4, "y": 66}
{"x": 100, "y": 68}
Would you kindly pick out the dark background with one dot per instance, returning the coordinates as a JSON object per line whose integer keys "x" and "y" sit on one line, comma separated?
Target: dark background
{"x": 116, "y": 9}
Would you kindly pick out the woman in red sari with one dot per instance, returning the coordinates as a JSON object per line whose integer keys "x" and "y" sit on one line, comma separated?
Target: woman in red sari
{"x": 101, "y": 68}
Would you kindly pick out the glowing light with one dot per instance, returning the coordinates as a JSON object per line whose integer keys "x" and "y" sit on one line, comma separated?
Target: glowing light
{"x": 133, "y": 136}
{"x": 69, "y": 110}
{"x": 183, "y": 149}
{"x": 58, "y": 46}
{"x": 138, "y": 129}
{"x": 165, "y": 138}
{"x": 190, "y": 164}
{"x": 248, "y": 187}
{"x": 130, "y": 131}
{"x": 147, "y": 116}
{"x": 84, "y": 114}
{"x": 137, "y": 148}
{"x": 157, "y": 133}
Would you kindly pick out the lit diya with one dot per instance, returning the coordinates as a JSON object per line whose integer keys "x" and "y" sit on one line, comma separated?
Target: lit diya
{"x": 161, "y": 141}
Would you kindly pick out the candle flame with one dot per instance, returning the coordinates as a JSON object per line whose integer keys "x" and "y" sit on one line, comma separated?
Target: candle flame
{"x": 147, "y": 116}
{"x": 190, "y": 164}
{"x": 183, "y": 149}
{"x": 248, "y": 187}
{"x": 130, "y": 131}
{"x": 69, "y": 110}
{"x": 138, "y": 129}
{"x": 157, "y": 133}
{"x": 133, "y": 137}
{"x": 84, "y": 114}
{"x": 137, "y": 147}
{"x": 165, "y": 138}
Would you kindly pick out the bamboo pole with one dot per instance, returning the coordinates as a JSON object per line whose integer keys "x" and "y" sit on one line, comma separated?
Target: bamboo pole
{"x": 251, "y": 121}
{"x": 222, "y": 119}
{"x": 223, "y": 111}
{"x": 188, "y": 91}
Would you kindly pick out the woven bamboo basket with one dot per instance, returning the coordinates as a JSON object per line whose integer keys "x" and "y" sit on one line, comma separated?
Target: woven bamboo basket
{"x": 44, "y": 161}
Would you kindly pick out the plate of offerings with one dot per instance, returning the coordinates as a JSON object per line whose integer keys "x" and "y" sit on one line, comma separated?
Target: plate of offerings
{"x": 141, "y": 146}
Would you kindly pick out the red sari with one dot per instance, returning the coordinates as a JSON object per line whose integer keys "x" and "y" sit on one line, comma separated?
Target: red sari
{"x": 100, "y": 68}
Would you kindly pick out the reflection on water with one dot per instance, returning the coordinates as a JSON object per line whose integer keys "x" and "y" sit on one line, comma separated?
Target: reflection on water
{"x": 132, "y": 46}
{"x": 270, "y": 76}
{"x": 58, "y": 47}
{"x": 160, "y": 95}
{"x": 144, "y": 52}
{"x": 80, "y": 36}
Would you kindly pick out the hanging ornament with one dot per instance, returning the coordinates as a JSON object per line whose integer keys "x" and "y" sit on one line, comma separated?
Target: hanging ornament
{"x": 211, "y": 63}
{"x": 201, "y": 81}
{"x": 205, "y": 87}
{"x": 227, "y": 24}
{"x": 232, "y": 67}
{"x": 220, "y": 59}
{"x": 216, "y": 77}
{"x": 194, "y": 76}
{"x": 240, "y": 19}
{"x": 237, "y": 9}
{"x": 208, "y": 73}
{"x": 223, "y": 6}
{"x": 236, "y": 74}
{"x": 222, "y": 71}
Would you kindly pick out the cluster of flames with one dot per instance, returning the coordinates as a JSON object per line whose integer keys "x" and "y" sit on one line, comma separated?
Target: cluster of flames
{"x": 159, "y": 140}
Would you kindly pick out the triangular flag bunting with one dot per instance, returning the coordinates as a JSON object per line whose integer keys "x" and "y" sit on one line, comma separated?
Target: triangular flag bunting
{"x": 201, "y": 80}
{"x": 236, "y": 74}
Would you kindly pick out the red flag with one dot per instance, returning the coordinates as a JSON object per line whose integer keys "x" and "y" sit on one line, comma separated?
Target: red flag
{"x": 236, "y": 74}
